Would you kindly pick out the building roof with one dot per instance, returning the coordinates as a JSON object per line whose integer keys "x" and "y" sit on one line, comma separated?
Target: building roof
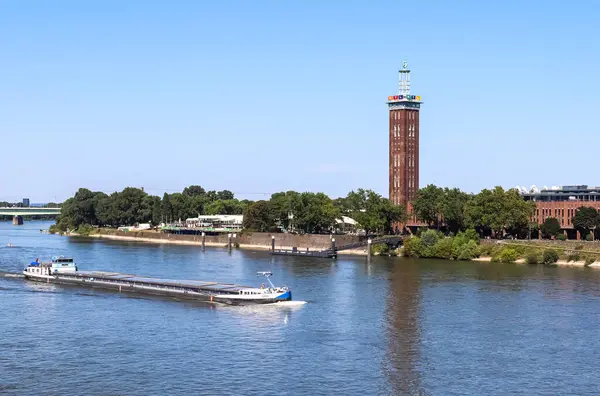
{"x": 234, "y": 218}
{"x": 580, "y": 192}
{"x": 579, "y": 188}
{"x": 346, "y": 220}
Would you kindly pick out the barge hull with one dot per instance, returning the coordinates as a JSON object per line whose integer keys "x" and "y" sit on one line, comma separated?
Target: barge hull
{"x": 167, "y": 289}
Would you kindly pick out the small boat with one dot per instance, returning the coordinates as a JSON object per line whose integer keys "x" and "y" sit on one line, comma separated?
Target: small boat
{"x": 64, "y": 270}
{"x": 9, "y": 244}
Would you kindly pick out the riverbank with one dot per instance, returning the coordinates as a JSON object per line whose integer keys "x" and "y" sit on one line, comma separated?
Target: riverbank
{"x": 250, "y": 240}
{"x": 570, "y": 253}
{"x": 579, "y": 263}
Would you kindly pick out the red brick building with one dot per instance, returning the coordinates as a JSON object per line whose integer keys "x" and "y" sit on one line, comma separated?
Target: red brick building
{"x": 561, "y": 203}
{"x": 403, "y": 142}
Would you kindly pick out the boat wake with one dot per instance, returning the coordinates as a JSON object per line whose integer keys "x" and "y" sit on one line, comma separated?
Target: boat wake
{"x": 10, "y": 275}
{"x": 264, "y": 307}
{"x": 288, "y": 304}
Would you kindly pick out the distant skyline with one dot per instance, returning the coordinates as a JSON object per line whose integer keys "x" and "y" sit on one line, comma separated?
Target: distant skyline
{"x": 267, "y": 96}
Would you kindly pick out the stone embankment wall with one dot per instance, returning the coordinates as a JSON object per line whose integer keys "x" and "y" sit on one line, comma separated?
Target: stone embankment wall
{"x": 245, "y": 239}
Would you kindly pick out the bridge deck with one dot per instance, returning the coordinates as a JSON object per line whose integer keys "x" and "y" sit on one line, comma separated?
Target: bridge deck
{"x": 29, "y": 211}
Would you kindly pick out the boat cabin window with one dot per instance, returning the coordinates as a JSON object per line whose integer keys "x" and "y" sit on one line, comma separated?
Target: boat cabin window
{"x": 63, "y": 260}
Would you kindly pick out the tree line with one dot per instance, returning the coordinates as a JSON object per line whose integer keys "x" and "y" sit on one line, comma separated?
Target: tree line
{"x": 315, "y": 213}
{"x": 490, "y": 211}
{"x": 134, "y": 205}
{"x": 291, "y": 211}
{"x": 493, "y": 211}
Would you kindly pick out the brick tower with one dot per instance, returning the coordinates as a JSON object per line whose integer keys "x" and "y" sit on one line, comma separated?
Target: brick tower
{"x": 404, "y": 141}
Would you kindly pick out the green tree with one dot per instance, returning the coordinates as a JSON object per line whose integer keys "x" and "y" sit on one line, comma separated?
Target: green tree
{"x": 166, "y": 208}
{"x": 211, "y": 196}
{"x": 194, "y": 190}
{"x": 131, "y": 206}
{"x": 181, "y": 207}
{"x": 429, "y": 239}
{"x": 196, "y": 204}
{"x": 156, "y": 210}
{"x": 316, "y": 213}
{"x": 224, "y": 206}
{"x": 586, "y": 219}
{"x": 286, "y": 206}
{"x": 498, "y": 210}
{"x": 243, "y": 204}
{"x": 342, "y": 205}
{"x": 259, "y": 216}
{"x": 428, "y": 204}
{"x": 373, "y": 213}
{"x": 225, "y": 195}
{"x": 65, "y": 221}
{"x": 79, "y": 210}
{"x": 550, "y": 227}
{"x": 105, "y": 211}
{"x": 517, "y": 213}
{"x": 453, "y": 208}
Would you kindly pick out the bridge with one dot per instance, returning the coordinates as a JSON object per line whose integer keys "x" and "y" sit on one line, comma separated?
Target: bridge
{"x": 18, "y": 213}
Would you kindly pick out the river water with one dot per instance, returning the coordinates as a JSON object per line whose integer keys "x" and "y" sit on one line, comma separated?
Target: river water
{"x": 384, "y": 327}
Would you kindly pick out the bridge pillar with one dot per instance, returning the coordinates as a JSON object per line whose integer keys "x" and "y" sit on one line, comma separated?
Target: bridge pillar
{"x": 17, "y": 220}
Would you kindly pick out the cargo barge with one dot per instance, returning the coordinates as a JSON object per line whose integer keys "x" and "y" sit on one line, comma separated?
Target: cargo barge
{"x": 63, "y": 270}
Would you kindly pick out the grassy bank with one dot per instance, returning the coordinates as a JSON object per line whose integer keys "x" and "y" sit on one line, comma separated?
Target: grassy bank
{"x": 534, "y": 252}
{"x": 467, "y": 246}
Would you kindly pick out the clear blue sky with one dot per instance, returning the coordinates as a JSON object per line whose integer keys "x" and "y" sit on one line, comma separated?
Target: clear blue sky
{"x": 264, "y": 96}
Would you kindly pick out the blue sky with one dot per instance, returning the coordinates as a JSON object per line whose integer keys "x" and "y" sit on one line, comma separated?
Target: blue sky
{"x": 265, "y": 96}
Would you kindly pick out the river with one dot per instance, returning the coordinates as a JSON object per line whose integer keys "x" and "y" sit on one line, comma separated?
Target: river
{"x": 391, "y": 326}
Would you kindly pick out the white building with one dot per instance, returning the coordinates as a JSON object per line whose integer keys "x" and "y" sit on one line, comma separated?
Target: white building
{"x": 216, "y": 222}
{"x": 347, "y": 225}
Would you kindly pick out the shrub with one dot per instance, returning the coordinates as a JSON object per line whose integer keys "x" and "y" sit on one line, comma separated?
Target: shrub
{"x": 561, "y": 237}
{"x": 472, "y": 235}
{"x": 590, "y": 260}
{"x": 468, "y": 251}
{"x": 549, "y": 257}
{"x": 85, "y": 229}
{"x": 428, "y": 241}
{"x": 412, "y": 246}
{"x": 488, "y": 249}
{"x": 506, "y": 255}
{"x": 443, "y": 248}
{"x": 573, "y": 257}
{"x": 589, "y": 237}
{"x": 532, "y": 258}
{"x": 464, "y": 237}
{"x": 380, "y": 249}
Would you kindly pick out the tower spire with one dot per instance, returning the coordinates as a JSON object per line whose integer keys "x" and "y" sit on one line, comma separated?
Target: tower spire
{"x": 404, "y": 79}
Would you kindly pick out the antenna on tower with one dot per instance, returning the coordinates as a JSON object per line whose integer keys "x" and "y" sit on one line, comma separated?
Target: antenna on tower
{"x": 404, "y": 79}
